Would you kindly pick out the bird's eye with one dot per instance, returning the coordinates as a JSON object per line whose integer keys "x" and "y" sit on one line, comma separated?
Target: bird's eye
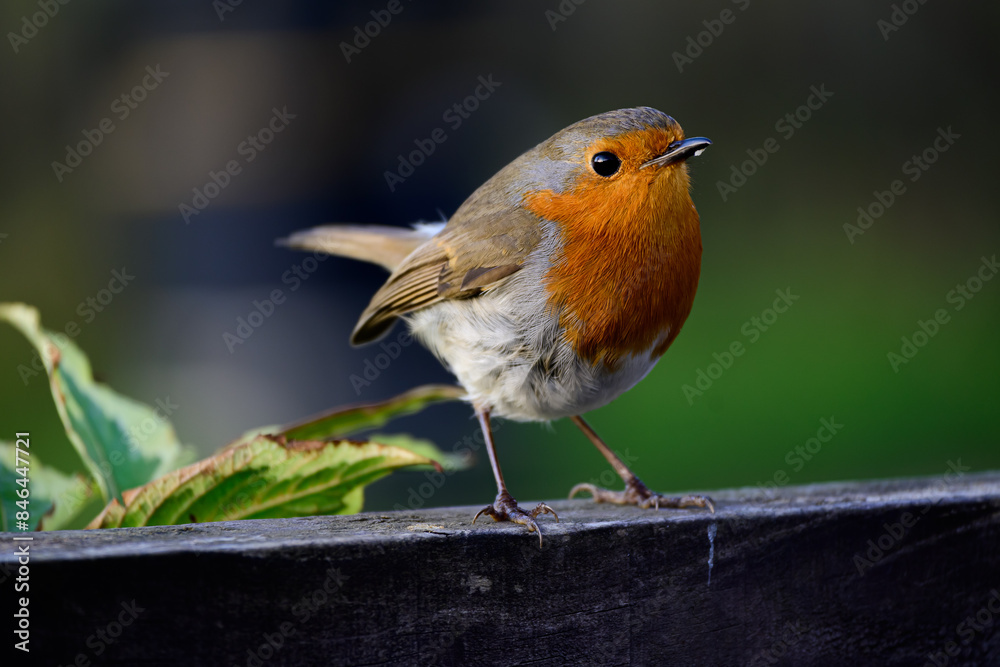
{"x": 605, "y": 164}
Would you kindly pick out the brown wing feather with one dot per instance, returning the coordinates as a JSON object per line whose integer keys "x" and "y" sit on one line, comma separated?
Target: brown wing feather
{"x": 379, "y": 244}
{"x": 465, "y": 258}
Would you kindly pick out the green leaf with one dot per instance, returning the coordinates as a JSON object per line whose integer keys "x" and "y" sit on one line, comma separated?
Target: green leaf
{"x": 448, "y": 461}
{"x": 252, "y": 434}
{"x": 353, "y": 418}
{"x": 123, "y": 443}
{"x": 54, "y": 499}
{"x": 267, "y": 477}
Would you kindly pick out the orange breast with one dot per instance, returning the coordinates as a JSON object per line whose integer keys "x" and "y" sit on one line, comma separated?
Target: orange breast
{"x": 625, "y": 278}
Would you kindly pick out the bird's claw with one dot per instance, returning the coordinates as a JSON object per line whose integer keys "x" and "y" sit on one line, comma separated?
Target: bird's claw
{"x": 637, "y": 494}
{"x": 505, "y": 508}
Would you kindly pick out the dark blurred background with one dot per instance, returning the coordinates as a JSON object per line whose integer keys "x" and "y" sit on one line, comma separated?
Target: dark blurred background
{"x": 224, "y": 69}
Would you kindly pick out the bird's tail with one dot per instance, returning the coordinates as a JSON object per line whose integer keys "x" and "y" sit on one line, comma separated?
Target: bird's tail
{"x": 379, "y": 244}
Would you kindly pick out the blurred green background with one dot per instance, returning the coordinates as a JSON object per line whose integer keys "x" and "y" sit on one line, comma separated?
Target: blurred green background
{"x": 825, "y": 358}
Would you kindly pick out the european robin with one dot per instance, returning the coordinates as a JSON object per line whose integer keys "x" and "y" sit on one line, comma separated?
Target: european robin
{"x": 555, "y": 287}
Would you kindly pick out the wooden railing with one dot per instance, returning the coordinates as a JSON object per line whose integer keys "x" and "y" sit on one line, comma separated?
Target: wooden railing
{"x": 903, "y": 572}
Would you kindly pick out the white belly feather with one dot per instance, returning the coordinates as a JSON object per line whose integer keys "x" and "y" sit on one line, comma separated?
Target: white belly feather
{"x": 508, "y": 352}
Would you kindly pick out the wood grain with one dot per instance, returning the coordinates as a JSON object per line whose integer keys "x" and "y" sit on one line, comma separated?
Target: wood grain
{"x": 612, "y": 585}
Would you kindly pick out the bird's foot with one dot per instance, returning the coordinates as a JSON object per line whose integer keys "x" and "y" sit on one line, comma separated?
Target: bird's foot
{"x": 505, "y": 508}
{"x": 636, "y": 493}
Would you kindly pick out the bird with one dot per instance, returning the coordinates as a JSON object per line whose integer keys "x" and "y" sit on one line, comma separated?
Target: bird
{"x": 554, "y": 288}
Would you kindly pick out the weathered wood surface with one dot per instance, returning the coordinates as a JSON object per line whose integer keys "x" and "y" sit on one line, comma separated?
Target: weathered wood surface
{"x": 771, "y": 578}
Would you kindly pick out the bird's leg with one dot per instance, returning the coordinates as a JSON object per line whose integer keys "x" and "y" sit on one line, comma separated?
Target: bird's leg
{"x": 504, "y": 507}
{"x": 635, "y": 492}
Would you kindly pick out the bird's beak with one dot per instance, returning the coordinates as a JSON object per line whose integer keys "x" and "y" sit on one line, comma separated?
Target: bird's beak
{"x": 679, "y": 151}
